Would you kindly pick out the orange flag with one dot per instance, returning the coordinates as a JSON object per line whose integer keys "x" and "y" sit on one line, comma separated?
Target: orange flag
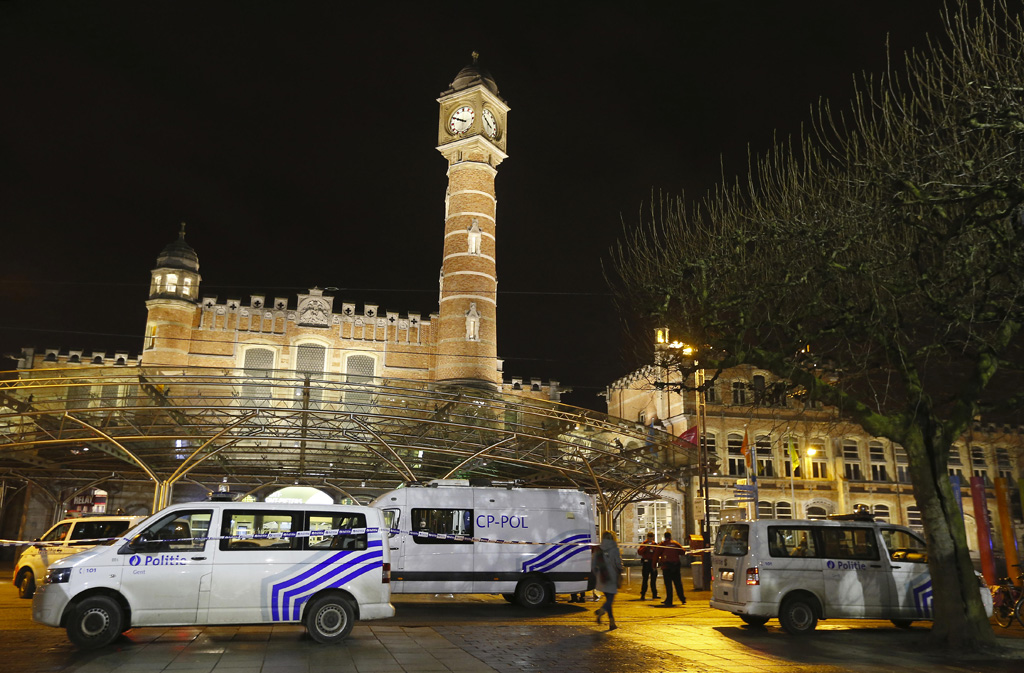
{"x": 745, "y": 449}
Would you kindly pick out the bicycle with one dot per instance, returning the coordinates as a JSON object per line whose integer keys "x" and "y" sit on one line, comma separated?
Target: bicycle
{"x": 1008, "y": 601}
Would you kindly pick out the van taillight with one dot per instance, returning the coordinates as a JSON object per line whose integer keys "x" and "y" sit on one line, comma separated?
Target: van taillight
{"x": 385, "y": 574}
{"x": 753, "y": 577}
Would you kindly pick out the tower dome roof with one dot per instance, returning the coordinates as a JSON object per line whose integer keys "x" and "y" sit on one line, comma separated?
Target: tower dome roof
{"x": 472, "y": 75}
{"x": 178, "y": 254}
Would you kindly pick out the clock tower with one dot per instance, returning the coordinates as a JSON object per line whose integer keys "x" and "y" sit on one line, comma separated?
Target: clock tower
{"x": 471, "y": 135}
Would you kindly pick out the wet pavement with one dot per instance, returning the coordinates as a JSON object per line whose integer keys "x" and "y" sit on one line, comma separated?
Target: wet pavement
{"x": 484, "y": 633}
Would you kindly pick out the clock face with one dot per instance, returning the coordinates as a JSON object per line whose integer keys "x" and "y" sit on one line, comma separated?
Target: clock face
{"x": 461, "y": 120}
{"x": 490, "y": 124}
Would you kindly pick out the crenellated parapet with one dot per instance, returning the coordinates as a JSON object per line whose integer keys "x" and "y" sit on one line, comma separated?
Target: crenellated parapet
{"x": 312, "y": 313}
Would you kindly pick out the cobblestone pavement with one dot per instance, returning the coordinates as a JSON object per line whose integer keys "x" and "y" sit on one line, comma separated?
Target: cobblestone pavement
{"x": 484, "y": 634}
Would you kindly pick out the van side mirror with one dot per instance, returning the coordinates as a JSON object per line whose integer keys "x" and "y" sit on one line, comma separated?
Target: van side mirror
{"x": 143, "y": 543}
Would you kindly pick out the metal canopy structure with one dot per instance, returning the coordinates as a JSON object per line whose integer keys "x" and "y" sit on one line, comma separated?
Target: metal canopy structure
{"x": 71, "y": 429}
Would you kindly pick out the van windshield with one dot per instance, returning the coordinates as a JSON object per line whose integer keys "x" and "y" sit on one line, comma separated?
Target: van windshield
{"x": 732, "y": 539}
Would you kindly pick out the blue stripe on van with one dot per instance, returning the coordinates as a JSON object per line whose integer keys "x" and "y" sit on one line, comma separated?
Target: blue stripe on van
{"x": 316, "y": 578}
{"x": 556, "y": 555}
{"x": 923, "y": 599}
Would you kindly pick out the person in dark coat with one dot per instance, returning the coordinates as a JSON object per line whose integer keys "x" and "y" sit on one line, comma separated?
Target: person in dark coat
{"x": 606, "y": 564}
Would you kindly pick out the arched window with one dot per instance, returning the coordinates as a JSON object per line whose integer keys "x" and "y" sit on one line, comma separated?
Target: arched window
{"x": 914, "y": 517}
{"x": 711, "y": 446}
{"x": 739, "y": 392}
{"x": 737, "y": 463}
{"x": 258, "y": 371}
{"x": 714, "y": 507}
{"x": 876, "y": 454}
{"x": 851, "y": 460}
{"x": 783, "y": 510}
{"x": 309, "y": 362}
{"x": 815, "y": 512}
{"x": 765, "y": 464}
{"x": 359, "y": 375}
{"x": 881, "y": 513}
{"x": 765, "y": 510}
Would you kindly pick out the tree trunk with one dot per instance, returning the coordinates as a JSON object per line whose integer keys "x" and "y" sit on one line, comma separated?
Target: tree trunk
{"x": 960, "y": 621}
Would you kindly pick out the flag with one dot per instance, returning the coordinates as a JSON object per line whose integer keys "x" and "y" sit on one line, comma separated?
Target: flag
{"x": 793, "y": 455}
{"x": 745, "y": 449}
{"x": 689, "y": 437}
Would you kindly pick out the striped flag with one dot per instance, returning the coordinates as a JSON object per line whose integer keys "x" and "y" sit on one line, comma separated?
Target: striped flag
{"x": 745, "y": 448}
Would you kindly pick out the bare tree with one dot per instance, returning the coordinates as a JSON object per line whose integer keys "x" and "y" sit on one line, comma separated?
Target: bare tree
{"x": 877, "y": 263}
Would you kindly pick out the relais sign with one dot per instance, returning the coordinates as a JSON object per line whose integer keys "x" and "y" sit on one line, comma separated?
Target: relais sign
{"x": 501, "y": 521}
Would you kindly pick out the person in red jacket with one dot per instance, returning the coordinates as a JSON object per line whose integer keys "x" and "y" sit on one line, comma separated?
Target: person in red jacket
{"x": 671, "y": 568}
{"x": 648, "y": 553}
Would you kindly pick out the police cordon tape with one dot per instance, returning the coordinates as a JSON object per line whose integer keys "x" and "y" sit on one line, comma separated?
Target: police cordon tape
{"x": 333, "y": 532}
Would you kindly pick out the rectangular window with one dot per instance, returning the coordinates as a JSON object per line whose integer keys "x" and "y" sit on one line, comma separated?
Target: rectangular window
{"x": 819, "y": 468}
{"x": 732, "y": 539}
{"x": 850, "y": 543}
{"x": 878, "y": 472}
{"x": 711, "y": 395}
{"x": 96, "y": 530}
{"x": 186, "y": 287}
{"x": 793, "y": 541}
{"x": 255, "y": 530}
{"x": 739, "y": 392}
{"x": 350, "y": 527}
{"x": 433, "y": 523}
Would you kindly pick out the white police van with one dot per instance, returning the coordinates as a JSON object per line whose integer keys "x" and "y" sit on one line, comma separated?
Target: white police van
{"x": 452, "y": 537}
{"x": 803, "y": 571}
{"x": 226, "y": 563}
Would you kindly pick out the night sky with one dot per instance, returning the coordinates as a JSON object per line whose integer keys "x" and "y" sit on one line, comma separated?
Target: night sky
{"x": 297, "y": 141}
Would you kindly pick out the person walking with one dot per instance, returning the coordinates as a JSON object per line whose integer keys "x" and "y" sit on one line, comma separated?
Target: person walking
{"x": 648, "y": 553}
{"x": 606, "y": 564}
{"x": 671, "y": 566}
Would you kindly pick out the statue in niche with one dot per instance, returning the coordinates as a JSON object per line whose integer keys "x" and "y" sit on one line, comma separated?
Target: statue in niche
{"x": 474, "y": 238}
{"x": 472, "y": 323}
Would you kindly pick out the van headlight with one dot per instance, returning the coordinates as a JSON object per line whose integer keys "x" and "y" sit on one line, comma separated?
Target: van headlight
{"x": 57, "y": 576}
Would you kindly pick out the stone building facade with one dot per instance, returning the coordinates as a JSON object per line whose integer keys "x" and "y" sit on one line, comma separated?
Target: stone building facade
{"x": 809, "y": 463}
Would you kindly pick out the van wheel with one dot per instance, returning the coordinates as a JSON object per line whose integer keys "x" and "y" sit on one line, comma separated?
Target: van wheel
{"x": 903, "y": 623}
{"x": 797, "y": 616}
{"x": 754, "y": 620}
{"x": 27, "y": 586}
{"x": 532, "y": 593}
{"x": 95, "y": 622}
{"x": 329, "y": 619}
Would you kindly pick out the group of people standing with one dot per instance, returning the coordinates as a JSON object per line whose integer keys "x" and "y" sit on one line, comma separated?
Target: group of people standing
{"x": 606, "y": 564}
{"x": 668, "y": 556}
